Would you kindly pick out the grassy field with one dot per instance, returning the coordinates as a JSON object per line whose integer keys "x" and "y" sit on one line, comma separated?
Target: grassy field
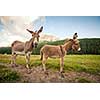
{"x": 76, "y": 63}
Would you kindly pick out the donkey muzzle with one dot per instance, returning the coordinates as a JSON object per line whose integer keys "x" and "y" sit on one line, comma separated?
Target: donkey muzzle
{"x": 35, "y": 45}
{"x": 79, "y": 49}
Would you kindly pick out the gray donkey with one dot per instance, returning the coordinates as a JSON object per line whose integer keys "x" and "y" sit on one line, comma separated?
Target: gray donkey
{"x": 25, "y": 48}
{"x": 59, "y": 51}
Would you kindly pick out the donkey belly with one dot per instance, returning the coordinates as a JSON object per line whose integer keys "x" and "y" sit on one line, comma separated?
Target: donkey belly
{"x": 21, "y": 53}
{"x": 53, "y": 55}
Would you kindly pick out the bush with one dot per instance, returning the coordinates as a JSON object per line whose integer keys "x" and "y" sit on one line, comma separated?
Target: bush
{"x": 7, "y": 75}
{"x": 88, "y": 46}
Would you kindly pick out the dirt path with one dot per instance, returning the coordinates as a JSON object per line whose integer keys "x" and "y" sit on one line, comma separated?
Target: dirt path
{"x": 37, "y": 75}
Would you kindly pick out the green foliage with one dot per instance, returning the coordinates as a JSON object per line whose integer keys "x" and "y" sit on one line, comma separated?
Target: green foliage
{"x": 88, "y": 46}
{"x": 7, "y": 75}
{"x": 5, "y": 50}
{"x": 83, "y": 80}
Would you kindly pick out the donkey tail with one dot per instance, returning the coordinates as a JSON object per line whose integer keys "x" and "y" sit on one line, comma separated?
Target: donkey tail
{"x": 41, "y": 54}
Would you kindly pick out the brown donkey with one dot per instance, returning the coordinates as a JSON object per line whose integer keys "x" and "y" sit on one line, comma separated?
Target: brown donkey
{"x": 21, "y": 48}
{"x": 59, "y": 51}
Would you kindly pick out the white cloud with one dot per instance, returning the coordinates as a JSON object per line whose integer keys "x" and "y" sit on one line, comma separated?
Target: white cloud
{"x": 14, "y": 27}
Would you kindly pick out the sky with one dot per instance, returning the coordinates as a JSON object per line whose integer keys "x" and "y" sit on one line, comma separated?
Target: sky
{"x": 65, "y": 26}
{"x": 14, "y": 27}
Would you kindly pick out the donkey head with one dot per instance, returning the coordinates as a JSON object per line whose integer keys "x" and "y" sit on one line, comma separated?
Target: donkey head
{"x": 76, "y": 45}
{"x": 36, "y": 35}
{"x": 75, "y": 41}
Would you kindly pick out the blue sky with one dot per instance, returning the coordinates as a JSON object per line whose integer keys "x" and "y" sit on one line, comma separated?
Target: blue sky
{"x": 65, "y": 26}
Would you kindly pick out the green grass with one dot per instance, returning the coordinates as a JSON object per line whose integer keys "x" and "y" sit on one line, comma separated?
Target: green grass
{"x": 79, "y": 63}
{"x": 7, "y": 75}
{"x": 85, "y": 63}
{"x": 83, "y": 80}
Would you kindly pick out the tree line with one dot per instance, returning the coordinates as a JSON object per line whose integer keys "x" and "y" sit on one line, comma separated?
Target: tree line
{"x": 88, "y": 46}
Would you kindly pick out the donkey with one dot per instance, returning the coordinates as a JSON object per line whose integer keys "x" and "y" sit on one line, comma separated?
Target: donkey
{"x": 25, "y": 48}
{"x": 59, "y": 51}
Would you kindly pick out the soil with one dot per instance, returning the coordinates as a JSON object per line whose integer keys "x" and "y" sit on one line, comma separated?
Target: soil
{"x": 37, "y": 75}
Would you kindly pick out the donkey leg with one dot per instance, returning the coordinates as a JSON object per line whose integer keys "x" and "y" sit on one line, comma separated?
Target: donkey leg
{"x": 61, "y": 64}
{"x": 27, "y": 60}
{"x": 43, "y": 63}
{"x": 27, "y": 63}
{"x": 13, "y": 59}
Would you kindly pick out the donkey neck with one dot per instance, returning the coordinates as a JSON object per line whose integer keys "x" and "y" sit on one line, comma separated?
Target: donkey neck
{"x": 67, "y": 45}
{"x": 29, "y": 45}
{"x": 32, "y": 39}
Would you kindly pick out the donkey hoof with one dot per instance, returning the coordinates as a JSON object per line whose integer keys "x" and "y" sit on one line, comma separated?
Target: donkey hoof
{"x": 45, "y": 72}
{"x": 29, "y": 71}
{"x": 14, "y": 65}
{"x": 62, "y": 71}
{"x": 62, "y": 76}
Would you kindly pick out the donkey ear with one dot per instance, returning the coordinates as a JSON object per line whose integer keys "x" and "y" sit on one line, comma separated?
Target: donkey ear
{"x": 75, "y": 36}
{"x": 40, "y": 30}
{"x": 29, "y": 31}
